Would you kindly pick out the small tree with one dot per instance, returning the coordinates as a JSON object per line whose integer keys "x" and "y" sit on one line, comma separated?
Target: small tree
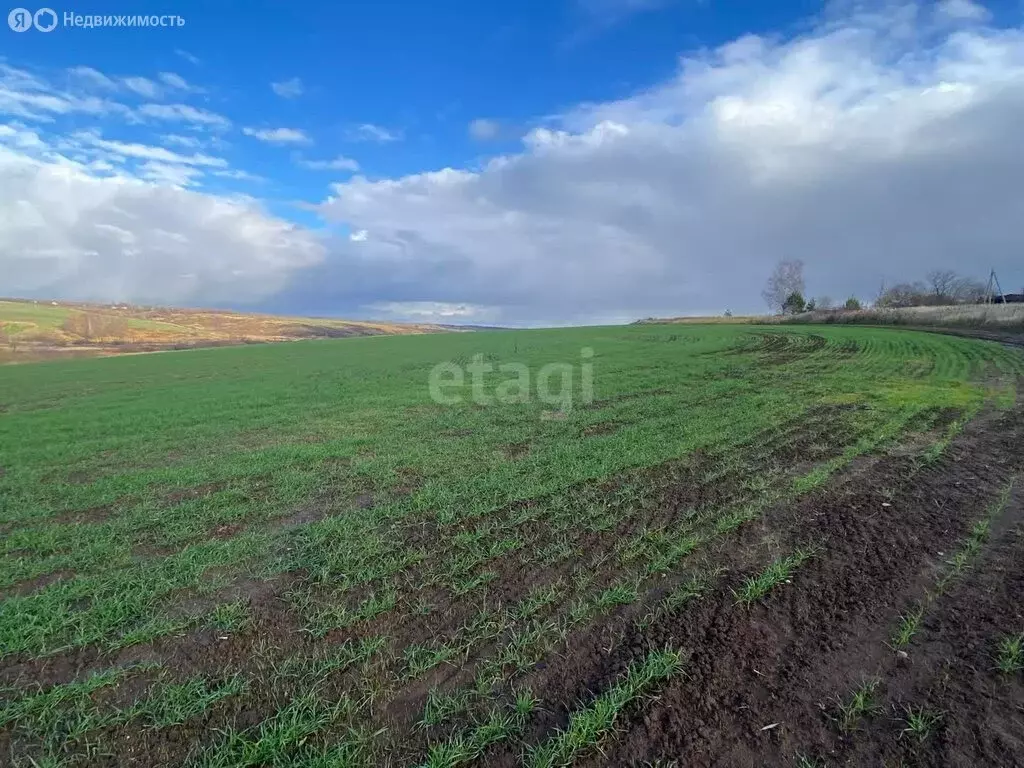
{"x": 812, "y": 305}
{"x": 794, "y": 303}
{"x": 852, "y": 303}
{"x": 787, "y": 279}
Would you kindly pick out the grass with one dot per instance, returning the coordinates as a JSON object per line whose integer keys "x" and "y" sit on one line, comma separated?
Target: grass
{"x": 587, "y": 726}
{"x": 469, "y": 746}
{"x": 779, "y": 572}
{"x": 921, "y": 723}
{"x": 442, "y": 705}
{"x": 1010, "y": 655}
{"x": 351, "y": 540}
{"x": 693, "y": 589}
{"x": 64, "y": 714}
{"x": 286, "y": 734}
{"x": 41, "y": 707}
{"x": 32, "y": 330}
{"x": 316, "y": 668}
{"x": 969, "y": 549}
{"x": 862, "y": 703}
{"x": 909, "y": 624}
{"x": 173, "y": 704}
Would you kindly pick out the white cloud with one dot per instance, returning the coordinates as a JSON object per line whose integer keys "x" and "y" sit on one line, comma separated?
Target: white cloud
{"x": 70, "y": 233}
{"x": 962, "y": 9}
{"x": 874, "y": 145}
{"x": 185, "y": 114}
{"x": 146, "y": 152}
{"x": 434, "y": 312}
{"x": 16, "y": 135}
{"x": 29, "y": 97}
{"x": 142, "y": 86}
{"x": 176, "y": 175}
{"x": 868, "y": 152}
{"x": 189, "y": 142}
{"x": 371, "y": 132}
{"x": 278, "y": 135}
{"x": 176, "y": 81}
{"x": 93, "y": 77}
{"x": 239, "y": 175}
{"x": 20, "y": 79}
{"x": 483, "y": 129}
{"x": 339, "y": 163}
{"x": 288, "y": 89}
{"x": 190, "y": 58}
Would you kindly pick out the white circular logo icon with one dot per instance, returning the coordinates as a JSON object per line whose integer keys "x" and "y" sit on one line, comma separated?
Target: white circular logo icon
{"x": 20, "y": 20}
{"x": 45, "y": 20}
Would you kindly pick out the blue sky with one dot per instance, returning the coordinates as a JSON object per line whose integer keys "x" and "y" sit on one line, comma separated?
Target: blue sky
{"x": 319, "y": 132}
{"x": 420, "y": 71}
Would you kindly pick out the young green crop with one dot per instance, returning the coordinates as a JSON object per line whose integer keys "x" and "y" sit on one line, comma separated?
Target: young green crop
{"x": 164, "y": 499}
{"x": 499, "y": 726}
{"x": 587, "y": 726}
{"x": 862, "y": 703}
{"x": 921, "y": 723}
{"x": 908, "y": 626}
{"x": 1010, "y": 656}
{"x": 780, "y": 571}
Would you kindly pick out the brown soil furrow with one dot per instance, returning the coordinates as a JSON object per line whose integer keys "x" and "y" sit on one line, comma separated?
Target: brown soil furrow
{"x": 950, "y": 668}
{"x": 743, "y": 666}
{"x": 779, "y": 662}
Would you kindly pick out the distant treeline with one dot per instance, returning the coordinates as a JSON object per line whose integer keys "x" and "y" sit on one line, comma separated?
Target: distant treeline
{"x": 941, "y": 288}
{"x": 784, "y": 292}
{"x": 1007, "y": 317}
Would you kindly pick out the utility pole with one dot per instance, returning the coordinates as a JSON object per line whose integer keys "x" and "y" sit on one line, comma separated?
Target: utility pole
{"x": 993, "y": 280}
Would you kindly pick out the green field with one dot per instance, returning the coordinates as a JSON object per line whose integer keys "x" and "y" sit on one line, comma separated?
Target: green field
{"x": 25, "y": 316}
{"x": 291, "y": 555}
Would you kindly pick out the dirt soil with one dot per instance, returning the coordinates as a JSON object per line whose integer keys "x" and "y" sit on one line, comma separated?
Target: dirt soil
{"x": 760, "y": 686}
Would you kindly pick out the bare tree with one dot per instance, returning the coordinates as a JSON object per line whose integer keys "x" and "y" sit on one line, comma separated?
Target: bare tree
{"x": 881, "y": 292}
{"x": 786, "y": 280}
{"x": 904, "y": 295}
{"x": 968, "y": 291}
{"x": 92, "y": 326}
{"x": 78, "y": 324}
{"x": 943, "y": 283}
{"x": 824, "y": 302}
{"x": 9, "y": 334}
